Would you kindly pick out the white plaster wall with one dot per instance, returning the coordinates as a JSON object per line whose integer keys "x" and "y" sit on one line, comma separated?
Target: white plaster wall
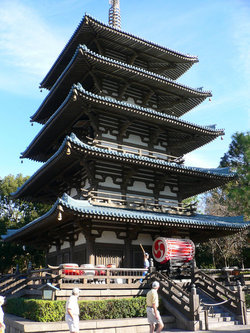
{"x": 167, "y": 191}
{"x": 65, "y": 245}
{"x": 81, "y": 240}
{"x": 130, "y": 100}
{"x": 52, "y": 249}
{"x": 109, "y": 183}
{"x": 109, "y": 237}
{"x": 135, "y": 139}
{"x": 140, "y": 186}
{"x": 159, "y": 147}
{"x": 108, "y": 136}
{"x": 85, "y": 184}
{"x": 144, "y": 239}
{"x": 73, "y": 192}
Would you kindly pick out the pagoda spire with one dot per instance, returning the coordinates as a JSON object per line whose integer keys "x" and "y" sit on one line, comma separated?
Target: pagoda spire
{"x": 114, "y": 14}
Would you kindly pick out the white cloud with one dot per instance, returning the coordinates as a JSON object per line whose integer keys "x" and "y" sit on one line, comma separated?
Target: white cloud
{"x": 26, "y": 41}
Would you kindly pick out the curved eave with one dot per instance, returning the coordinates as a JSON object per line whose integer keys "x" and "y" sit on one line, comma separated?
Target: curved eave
{"x": 89, "y": 28}
{"x": 44, "y": 222}
{"x": 85, "y": 60}
{"x": 81, "y": 206}
{"x": 67, "y": 206}
{"x": 68, "y": 113}
{"x": 68, "y": 161}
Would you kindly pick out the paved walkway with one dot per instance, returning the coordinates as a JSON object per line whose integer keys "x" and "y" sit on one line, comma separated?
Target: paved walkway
{"x": 236, "y": 328}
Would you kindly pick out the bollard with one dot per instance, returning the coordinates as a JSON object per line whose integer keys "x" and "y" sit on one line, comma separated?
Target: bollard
{"x": 242, "y": 304}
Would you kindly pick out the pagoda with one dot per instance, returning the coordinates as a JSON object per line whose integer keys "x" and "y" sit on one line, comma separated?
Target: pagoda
{"x": 113, "y": 145}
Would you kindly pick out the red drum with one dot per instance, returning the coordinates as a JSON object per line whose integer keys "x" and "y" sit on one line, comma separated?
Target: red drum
{"x": 70, "y": 269}
{"x": 88, "y": 269}
{"x": 100, "y": 272}
{"x": 165, "y": 249}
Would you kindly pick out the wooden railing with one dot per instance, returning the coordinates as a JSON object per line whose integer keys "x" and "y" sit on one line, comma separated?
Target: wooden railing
{"x": 139, "y": 203}
{"x": 231, "y": 276}
{"x": 235, "y": 299}
{"x": 182, "y": 304}
{"x": 12, "y": 283}
{"x": 103, "y": 278}
{"x": 125, "y": 149}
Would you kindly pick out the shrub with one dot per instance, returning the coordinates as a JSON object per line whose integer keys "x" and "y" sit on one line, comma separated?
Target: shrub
{"x": 51, "y": 311}
{"x": 248, "y": 301}
{"x": 36, "y": 310}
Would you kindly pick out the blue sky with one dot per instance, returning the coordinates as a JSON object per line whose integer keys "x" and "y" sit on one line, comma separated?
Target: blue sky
{"x": 33, "y": 33}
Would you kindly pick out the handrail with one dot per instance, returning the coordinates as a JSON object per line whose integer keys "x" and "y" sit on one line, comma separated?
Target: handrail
{"x": 235, "y": 301}
{"x": 181, "y": 303}
{"x": 134, "y": 150}
{"x": 108, "y": 198}
{"x": 207, "y": 277}
{"x": 12, "y": 283}
{"x": 80, "y": 277}
{"x": 230, "y": 276}
{"x": 172, "y": 283}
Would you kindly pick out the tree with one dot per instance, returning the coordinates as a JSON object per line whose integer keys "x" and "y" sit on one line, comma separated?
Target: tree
{"x": 13, "y": 215}
{"x": 238, "y": 159}
{"x": 231, "y": 200}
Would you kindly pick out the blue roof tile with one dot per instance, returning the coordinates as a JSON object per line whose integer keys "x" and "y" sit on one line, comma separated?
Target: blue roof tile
{"x": 212, "y": 171}
{"x": 84, "y": 207}
{"x": 139, "y": 69}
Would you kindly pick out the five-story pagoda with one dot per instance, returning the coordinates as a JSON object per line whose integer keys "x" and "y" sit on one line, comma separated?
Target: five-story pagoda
{"x": 112, "y": 144}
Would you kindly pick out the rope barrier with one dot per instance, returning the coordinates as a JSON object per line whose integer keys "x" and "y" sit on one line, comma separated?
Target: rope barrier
{"x": 215, "y": 304}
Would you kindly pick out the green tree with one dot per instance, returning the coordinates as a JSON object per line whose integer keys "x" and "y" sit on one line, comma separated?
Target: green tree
{"x": 238, "y": 158}
{"x": 13, "y": 215}
{"x": 231, "y": 200}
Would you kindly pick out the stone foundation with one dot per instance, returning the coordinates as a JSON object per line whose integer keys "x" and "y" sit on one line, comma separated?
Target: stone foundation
{"x": 132, "y": 325}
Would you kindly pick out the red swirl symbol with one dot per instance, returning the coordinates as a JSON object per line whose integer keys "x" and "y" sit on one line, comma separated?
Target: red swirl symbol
{"x": 159, "y": 249}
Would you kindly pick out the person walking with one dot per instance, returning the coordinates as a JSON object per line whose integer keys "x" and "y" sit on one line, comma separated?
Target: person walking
{"x": 2, "y": 326}
{"x": 153, "y": 314}
{"x": 146, "y": 262}
{"x": 72, "y": 311}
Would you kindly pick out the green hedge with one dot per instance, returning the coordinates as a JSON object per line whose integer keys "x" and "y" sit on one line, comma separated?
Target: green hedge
{"x": 248, "y": 300}
{"x": 50, "y": 311}
{"x": 36, "y": 310}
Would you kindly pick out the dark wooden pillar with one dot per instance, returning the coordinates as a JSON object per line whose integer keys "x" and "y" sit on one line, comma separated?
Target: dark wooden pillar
{"x": 132, "y": 234}
{"x": 58, "y": 251}
{"x": 71, "y": 249}
{"x": 127, "y": 252}
{"x": 90, "y": 248}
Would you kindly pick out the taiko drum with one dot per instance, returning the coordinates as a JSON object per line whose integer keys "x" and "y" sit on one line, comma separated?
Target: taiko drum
{"x": 165, "y": 249}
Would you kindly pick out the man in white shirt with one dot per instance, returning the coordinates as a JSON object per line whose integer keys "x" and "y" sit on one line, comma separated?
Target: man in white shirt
{"x": 2, "y": 326}
{"x": 153, "y": 314}
{"x": 72, "y": 311}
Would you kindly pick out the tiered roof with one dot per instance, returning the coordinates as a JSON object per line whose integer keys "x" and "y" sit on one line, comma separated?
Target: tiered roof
{"x": 174, "y": 98}
{"x": 90, "y": 31}
{"x": 51, "y": 179}
{"x": 95, "y": 53}
{"x": 65, "y": 208}
{"x": 67, "y": 115}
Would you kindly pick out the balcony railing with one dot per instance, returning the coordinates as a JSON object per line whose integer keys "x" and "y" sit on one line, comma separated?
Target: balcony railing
{"x": 139, "y": 203}
{"x": 113, "y": 146}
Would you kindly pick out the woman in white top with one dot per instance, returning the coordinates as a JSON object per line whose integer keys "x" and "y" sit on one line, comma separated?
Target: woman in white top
{"x": 72, "y": 311}
{"x": 2, "y": 326}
